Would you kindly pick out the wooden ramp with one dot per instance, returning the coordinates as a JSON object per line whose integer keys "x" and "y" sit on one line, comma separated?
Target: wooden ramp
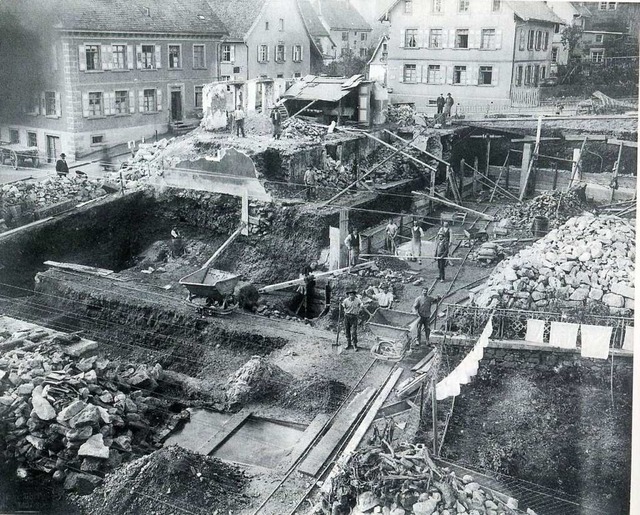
{"x": 341, "y": 425}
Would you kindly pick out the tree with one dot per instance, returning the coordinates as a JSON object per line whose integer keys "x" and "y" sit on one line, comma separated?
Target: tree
{"x": 570, "y": 38}
{"x": 349, "y": 64}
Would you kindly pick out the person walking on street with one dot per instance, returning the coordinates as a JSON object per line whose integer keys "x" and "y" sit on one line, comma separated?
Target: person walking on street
{"x": 276, "y": 119}
{"x": 310, "y": 181}
{"x": 448, "y": 105}
{"x": 62, "y": 169}
{"x": 238, "y": 117}
{"x": 391, "y": 233}
{"x": 416, "y": 241}
{"x": 352, "y": 306}
{"x": 352, "y": 242}
{"x": 442, "y": 252}
{"x": 422, "y": 308}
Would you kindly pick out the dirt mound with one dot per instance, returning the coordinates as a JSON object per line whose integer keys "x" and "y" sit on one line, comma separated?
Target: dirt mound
{"x": 314, "y": 395}
{"x": 256, "y": 379}
{"x": 258, "y": 124}
{"x": 170, "y": 481}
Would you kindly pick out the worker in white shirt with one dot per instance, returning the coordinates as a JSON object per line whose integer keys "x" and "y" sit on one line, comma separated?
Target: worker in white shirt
{"x": 391, "y": 233}
{"x": 352, "y": 242}
{"x": 381, "y": 296}
{"x": 239, "y": 116}
{"x": 416, "y": 241}
{"x": 352, "y": 306}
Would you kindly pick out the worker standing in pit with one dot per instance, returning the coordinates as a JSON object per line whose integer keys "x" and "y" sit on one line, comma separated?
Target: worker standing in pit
{"x": 352, "y": 242}
{"x": 442, "y": 252}
{"x": 352, "y": 306}
{"x": 391, "y": 233}
{"x": 310, "y": 182}
{"x": 416, "y": 241}
{"x": 422, "y": 308}
{"x": 239, "y": 116}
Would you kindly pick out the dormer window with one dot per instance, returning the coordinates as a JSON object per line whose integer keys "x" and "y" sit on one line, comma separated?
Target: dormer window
{"x": 147, "y": 12}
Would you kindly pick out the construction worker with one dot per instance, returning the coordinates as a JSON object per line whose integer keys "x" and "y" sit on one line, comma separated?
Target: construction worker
{"x": 422, "y": 308}
{"x": 239, "y": 116}
{"x": 352, "y": 306}
{"x": 416, "y": 241}
{"x": 177, "y": 243}
{"x": 276, "y": 119}
{"x": 442, "y": 252}
{"x": 445, "y": 231}
{"x": 381, "y": 297}
{"x": 391, "y": 233}
{"x": 310, "y": 181}
{"x": 352, "y": 242}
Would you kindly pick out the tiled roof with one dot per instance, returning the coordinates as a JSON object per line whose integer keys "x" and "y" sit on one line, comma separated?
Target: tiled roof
{"x": 164, "y": 16}
{"x": 533, "y": 10}
{"x": 340, "y": 15}
{"x": 238, "y": 15}
{"x": 311, "y": 20}
{"x": 582, "y": 10}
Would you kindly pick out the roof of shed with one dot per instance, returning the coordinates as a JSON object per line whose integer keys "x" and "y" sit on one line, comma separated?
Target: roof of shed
{"x": 327, "y": 89}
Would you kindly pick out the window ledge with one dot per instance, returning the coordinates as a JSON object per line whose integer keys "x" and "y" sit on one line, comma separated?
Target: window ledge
{"x": 94, "y": 71}
{"x": 411, "y": 47}
{"x": 147, "y": 113}
{"x": 120, "y": 70}
{"x": 148, "y": 69}
{"x": 52, "y": 116}
{"x": 174, "y": 69}
{"x": 199, "y": 67}
{"x": 96, "y": 117}
{"x": 121, "y": 115}
{"x": 461, "y": 48}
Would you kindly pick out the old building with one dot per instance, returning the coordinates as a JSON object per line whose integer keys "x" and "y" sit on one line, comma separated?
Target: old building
{"x": 377, "y": 65}
{"x": 489, "y": 54}
{"x": 116, "y": 72}
{"x": 348, "y": 29}
{"x": 321, "y": 40}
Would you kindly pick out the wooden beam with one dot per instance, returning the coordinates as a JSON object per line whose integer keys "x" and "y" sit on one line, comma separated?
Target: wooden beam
{"x": 423, "y": 361}
{"x": 616, "y": 169}
{"x": 440, "y": 160}
{"x": 613, "y": 141}
{"x": 103, "y": 272}
{"x": 218, "y": 438}
{"x": 576, "y": 169}
{"x": 303, "y": 109}
{"x": 531, "y": 139}
{"x": 534, "y": 155}
{"x": 224, "y": 246}
{"x": 457, "y": 206}
{"x": 296, "y": 282}
{"x": 580, "y": 137}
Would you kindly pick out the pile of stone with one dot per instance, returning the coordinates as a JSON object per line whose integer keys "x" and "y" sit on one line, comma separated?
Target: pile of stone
{"x": 401, "y": 115}
{"x": 588, "y": 261}
{"x": 73, "y": 418}
{"x": 557, "y": 206}
{"x": 51, "y": 191}
{"x": 404, "y": 481}
{"x": 488, "y": 252}
{"x": 295, "y": 128}
{"x": 256, "y": 379}
{"x": 336, "y": 174}
{"x": 262, "y": 215}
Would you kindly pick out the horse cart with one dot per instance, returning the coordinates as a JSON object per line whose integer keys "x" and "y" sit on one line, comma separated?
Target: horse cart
{"x": 16, "y": 155}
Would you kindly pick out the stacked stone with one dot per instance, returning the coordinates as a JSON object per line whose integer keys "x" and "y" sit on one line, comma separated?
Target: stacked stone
{"x": 262, "y": 215}
{"x": 295, "y": 128}
{"x": 402, "y": 115}
{"x": 50, "y": 191}
{"x": 74, "y": 419}
{"x": 588, "y": 261}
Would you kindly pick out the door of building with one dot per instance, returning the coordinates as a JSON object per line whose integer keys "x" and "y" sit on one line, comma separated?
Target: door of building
{"x": 53, "y": 148}
{"x": 176, "y": 105}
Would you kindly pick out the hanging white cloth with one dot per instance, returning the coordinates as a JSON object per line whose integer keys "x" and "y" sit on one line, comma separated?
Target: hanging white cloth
{"x": 628, "y": 338}
{"x": 486, "y": 332}
{"x": 596, "y": 340}
{"x": 563, "y": 335}
{"x": 535, "y": 331}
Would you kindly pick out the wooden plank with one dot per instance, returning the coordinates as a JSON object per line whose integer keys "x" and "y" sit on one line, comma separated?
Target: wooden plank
{"x": 296, "y": 282}
{"x": 614, "y": 141}
{"x": 457, "y": 206}
{"x": 225, "y": 432}
{"x": 432, "y": 156}
{"x": 423, "y": 361}
{"x": 343, "y": 421}
{"x": 103, "y": 272}
{"x": 224, "y": 246}
{"x": 363, "y": 428}
{"x": 413, "y": 385}
{"x": 307, "y": 437}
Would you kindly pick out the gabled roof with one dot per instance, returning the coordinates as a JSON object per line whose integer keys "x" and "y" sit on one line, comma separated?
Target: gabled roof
{"x": 534, "y": 11}
{"x": 314, "y": 26}
{"x": 582, "y": 10}
{"x": 341, "y": 15}
{"x": 150, "y": 16}
{"x": 238, "y": 15}
{"x": 375, "y": 52}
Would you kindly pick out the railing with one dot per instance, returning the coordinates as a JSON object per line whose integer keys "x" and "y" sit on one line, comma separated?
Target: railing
{"x": 511, "y": 324}
{"x": 525, "y": 97}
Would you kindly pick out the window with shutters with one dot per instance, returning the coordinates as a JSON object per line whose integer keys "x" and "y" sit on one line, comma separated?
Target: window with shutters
{"x": 92, "y": 55}
{"x": 148, "y": 57}
{"x": 488, "y": 40}
{"x": 149, "y": 101}
{"x": 50, "y": 108}
{"x": 410, "y": 73}
{"x": 175, "y": 57}
{"x": 538, "y": 39}
{"x": 32, "y": 139}
{"x": 545, "y": 41}
{"x": 363, "y": 36}
{"x": 435, "y": 38}
{"x": 263, "y": 53}
{"x": 96, "y": 103}
{"x": 363, "y": 53}
{"x": 434, "y": 74}
{"x": 119, "y": 57}
{"x": 297, "y": 53}
{"x": 527, "y": 75}
{"x": 485, "y": 77}
{"x": 14, "y": 136}
{"x": 607, "y": 6}
{"x": 345, "y": 36}
{"x": 543, "y": 72}
{"x": 280, "y": 53}
{"x": 599, "y": 38}
{"x": 463, "y": 6}
{"x": 459, "y": 74}
{"x": 496, "y": 5}
{"x": 226, "y": 54}
{"x": 197, "y": 96}
{"x": 436, "y": 6}
{"x": 199, "y": 61}
{"x": 297, "y": 75}
{"x": 522, "y": 40}
{"x": 462, "y": 38}
{"x": 536, "y": 75}
{"x": 411, "y": 38}
{"x": 408, "y": 6}
{"x": 121, "y": 102}
{"x": 531, "y": 39}
{"x": 225, "y": 77}
{"x": 519, "y": 76}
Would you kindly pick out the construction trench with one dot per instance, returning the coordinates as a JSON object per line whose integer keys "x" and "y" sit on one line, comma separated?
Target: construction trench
{"x": 263, "y": 386}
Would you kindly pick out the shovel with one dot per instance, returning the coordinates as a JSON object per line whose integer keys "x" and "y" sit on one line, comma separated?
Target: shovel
{"x": 337, "y": 345}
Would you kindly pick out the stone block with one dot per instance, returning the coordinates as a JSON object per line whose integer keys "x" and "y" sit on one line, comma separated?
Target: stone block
{"x": 94, "y": 447}
{"x": 80, "y": 348}
{"x": 580, "y": 294}
{"x": 623, "y": 290}
{"x": 613, "y": 300}
{"x": 596, "y": 294}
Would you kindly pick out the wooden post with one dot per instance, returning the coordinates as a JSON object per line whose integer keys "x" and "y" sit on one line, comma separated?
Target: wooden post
{"x": 475, "y": 176}
{"x": 554, "y": 167}
{"x": 616, "y": 169}
{"x": 488, "y": 155}
{"x": 575, "y": 166}
{"x": 524, "y": 169}
{"x": 432, "y": 189}
{"x": 461, "y": 189}
{"x": 434, "y": 416}
{"x": 244, "y": 218}
{"x": 344, "y": 231}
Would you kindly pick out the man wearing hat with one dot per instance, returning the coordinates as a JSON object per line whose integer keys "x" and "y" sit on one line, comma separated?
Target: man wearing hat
{"x": 352, "y": 306}
{"x": 422, "y": 308}
{"x": 62, "y": 168}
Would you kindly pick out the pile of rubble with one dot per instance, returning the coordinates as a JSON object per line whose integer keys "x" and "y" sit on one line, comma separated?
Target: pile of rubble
{"x": 402, "y": 115}
{"x": 256, "y": 379}
{"x": 556, "y": 206}
{"x": 588, "y": 260}
{"x": 336, "y": 174}
{"x": 405, "y": 480}
{"x": 74, "y": 419}
{"x": 51, "y": 191}
{"x": 295, "y": 128}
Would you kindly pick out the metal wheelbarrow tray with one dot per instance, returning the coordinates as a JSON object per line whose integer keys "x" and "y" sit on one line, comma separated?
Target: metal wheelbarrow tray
{"x": 210, "y": 283}
{"x": 392, "y": 326}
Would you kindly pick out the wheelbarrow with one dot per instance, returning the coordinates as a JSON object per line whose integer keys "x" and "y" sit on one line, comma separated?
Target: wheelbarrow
{"x": 215, "y": 286}
{"x": 476, "y": 235}
{"x": 392, "y": 330}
